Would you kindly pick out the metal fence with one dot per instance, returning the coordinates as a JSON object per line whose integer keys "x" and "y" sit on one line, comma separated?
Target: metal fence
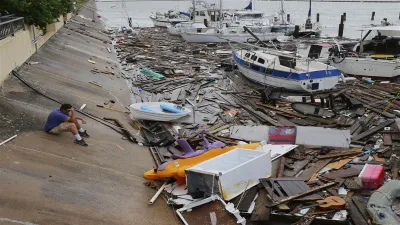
{"x": 10, "y": 24}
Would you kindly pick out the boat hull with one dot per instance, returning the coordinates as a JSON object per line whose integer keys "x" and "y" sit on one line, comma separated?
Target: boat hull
{"x": 138, "y": 114}
{"x": 383, "y": 69}
{"x": 213, "y": 38}
{"x": 280, "y": 80}
{"x": 287, "y": 29}
{"x": 165, "y": 22}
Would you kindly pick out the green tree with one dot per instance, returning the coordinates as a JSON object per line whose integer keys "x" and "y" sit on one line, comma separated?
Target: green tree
{"x": 37, "y": 12}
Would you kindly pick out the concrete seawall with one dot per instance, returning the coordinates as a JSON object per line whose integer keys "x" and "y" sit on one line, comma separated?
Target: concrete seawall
{"x": 47, "y": 179}
{"x": 16, "y": 49}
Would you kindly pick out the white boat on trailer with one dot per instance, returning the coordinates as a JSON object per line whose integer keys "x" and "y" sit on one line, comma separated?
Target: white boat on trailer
{"x": 377, "y": 55}
{"x": 283, "y": 69}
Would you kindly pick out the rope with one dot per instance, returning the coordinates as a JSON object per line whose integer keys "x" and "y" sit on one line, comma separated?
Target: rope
{"x": 100, "y": 120}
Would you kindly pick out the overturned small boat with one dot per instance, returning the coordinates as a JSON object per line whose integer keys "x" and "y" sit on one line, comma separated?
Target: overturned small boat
{"x": 157, "y": 111}
{"x": 283, "y": 69}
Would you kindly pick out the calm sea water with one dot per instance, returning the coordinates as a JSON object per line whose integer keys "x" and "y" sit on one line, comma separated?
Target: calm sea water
{"x": 115, "y": 13}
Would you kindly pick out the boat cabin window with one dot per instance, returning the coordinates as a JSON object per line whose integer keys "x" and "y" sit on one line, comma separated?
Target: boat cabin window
{"x": 202, "y": 13}
{"x": 247, "y": 55}
{"x": 249, "y": 16}
{"x": 268, "y": 71}
{"x": 253, "y": 57}
{"x": 287, "y": 61}
{"x": 255, "y": 67}
{"x": 261, "y": 60}
{"x": 315, "y": 51}
{"x": 382, "y": 44}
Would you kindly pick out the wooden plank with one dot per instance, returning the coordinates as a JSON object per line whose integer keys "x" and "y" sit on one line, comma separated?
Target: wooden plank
{"x": 354, "y": 127}
{"x": 292, "y": 186}
{"x": 339, "y": 154}
{"x": 343, "y": 173}
{"x": 355, "y": 215}
{"x": 268, "y": 188}
{"x": 308, "y": 173}
{"x": 282, "y": 110}
{"x": 339, "y": 164}
{"x": 281, "y": 167}
{"x": 260, "y": 212}
{"x": 373, "y": 130}
{"x": 361, "y": 205}
{"x": 387, "y": 139}
{"x": 276, "y": 188}
{"x": 312, "y": 190}
{"x": 248, "y": 198}
{"x": 297, "y": 166}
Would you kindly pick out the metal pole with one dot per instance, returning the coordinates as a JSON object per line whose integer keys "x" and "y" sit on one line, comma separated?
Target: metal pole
{"x": 34, "y": 36}
{"x": 2, "y": 143}
{"x": 154, "y": 198}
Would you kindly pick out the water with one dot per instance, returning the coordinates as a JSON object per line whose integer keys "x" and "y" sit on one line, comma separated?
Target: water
{"x": 115, "y": 13}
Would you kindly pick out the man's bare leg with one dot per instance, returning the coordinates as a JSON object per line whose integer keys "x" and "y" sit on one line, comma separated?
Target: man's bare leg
{"x": 78, "y": 139}
{"x": 74, "y": 129}
{"x": 77, "y": 125}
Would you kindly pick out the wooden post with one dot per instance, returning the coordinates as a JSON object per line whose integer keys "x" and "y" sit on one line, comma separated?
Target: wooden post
{"x": 303, "y": 99}
{"x": 296, "y": 31}
{"x": 332, "y": 104}
{"x": 344, "y": 16}
{"x": 373, "y": 16}
{"x": 288, "y": 17}
{"x": 322, "y": 102}
{"x": 317, "y": 17}
{"x": 341, "y": 26}
{"x": 312, "y": 99}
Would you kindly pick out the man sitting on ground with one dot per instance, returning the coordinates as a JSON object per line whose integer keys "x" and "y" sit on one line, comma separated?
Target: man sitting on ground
{"x": 64, "y": 120}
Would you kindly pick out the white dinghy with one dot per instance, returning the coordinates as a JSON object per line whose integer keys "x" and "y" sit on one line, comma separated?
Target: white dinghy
{"x": 157, "y": 111}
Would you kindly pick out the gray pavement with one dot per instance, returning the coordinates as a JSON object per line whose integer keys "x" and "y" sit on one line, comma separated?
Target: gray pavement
{"x": 48, "y": 179}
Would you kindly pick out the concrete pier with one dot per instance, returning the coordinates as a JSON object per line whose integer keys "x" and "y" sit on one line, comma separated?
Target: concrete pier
{"x": 47, "y": 179}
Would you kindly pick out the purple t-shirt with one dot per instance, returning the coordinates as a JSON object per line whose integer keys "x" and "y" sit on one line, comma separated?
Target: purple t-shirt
{"x": 55, "y": 118}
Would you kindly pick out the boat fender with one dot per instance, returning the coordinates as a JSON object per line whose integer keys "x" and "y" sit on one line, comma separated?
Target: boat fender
{"x": 380, "y": 203}
{"x": 170, "y": 109}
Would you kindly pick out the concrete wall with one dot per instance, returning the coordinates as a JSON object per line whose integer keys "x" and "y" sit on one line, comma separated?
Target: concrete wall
{"x": 15, "y": 50}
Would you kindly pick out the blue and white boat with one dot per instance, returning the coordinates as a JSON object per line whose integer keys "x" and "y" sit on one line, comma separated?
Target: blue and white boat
{"x": 285, "y": 70}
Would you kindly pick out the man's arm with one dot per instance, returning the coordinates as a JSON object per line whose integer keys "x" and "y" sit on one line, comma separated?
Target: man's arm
{"x": 81, "y": 119}
{"x": 71, "y": 116}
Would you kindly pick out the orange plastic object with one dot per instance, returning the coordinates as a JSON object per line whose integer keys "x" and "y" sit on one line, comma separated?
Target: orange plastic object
{"x": 176, "y": 168}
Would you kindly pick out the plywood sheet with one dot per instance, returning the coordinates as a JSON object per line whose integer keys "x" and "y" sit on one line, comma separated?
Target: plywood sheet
{"x": 339, "y": 164}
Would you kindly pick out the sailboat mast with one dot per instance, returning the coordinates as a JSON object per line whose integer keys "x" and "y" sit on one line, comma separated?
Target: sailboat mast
{"x": 221, "y": 17}
{"x": 282, "y": 11}
{"x": 309, "y": 11}
{"x": 194, "y": 10}
{"x": 253, "y": 5}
